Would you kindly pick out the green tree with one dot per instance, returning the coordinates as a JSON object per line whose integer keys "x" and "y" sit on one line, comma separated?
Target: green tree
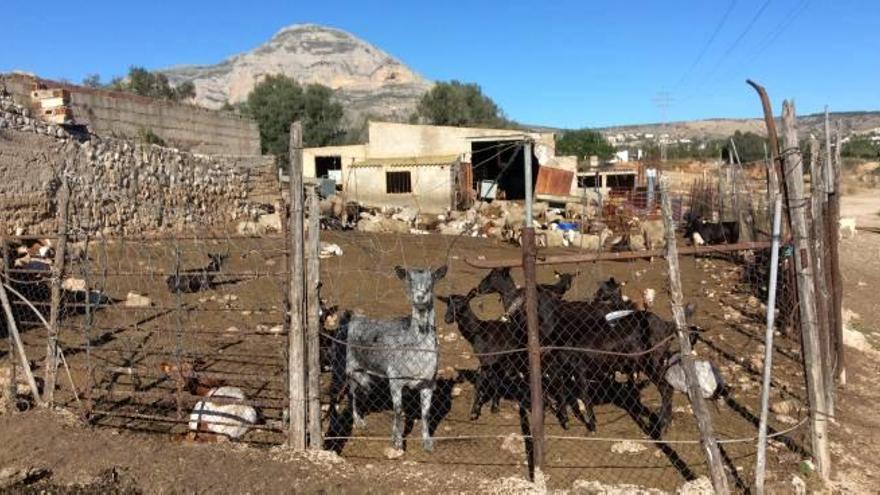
{"x": 459, "y": 104}
{"x": 142, "y": 82}
{"x": 92, "y": 81}
{"x": 278, "y": 100}
{"x": 749, "y": 146}
{"x": 860, "y": 147}
{"x": 583, "y": 143}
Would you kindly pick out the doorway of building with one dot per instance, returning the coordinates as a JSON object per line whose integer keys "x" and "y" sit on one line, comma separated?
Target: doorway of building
{"x": 489, "y": 160}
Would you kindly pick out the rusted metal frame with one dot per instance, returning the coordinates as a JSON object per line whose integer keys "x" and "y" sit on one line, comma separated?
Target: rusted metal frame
{"x": 174, "y": 353}
{"x": 775, "y": 150}
{"x": 165, "y": 419}
{"x": 189, "y": 399}
{"x": 587, "y": 257}
{"x": 220, "y": 332}
{"x": 215, "y": 375}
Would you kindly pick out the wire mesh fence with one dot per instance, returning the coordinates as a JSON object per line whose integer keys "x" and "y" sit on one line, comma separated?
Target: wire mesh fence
{"x": 187, "y": 333}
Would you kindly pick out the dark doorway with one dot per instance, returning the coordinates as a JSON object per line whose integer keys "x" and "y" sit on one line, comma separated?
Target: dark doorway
{"x": 489, "y": 159}
{"x": 329, "y": 167}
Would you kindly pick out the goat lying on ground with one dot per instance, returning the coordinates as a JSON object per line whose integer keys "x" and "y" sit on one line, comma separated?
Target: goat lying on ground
{"x": 404, "y": 351}
{"x": 224, "y": 419}
{"x": 485, "y": 337}
{"x": 189, "y": 281}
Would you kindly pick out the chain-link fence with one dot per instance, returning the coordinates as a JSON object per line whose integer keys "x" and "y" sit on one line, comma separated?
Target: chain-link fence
{"x": 423, "y": 326}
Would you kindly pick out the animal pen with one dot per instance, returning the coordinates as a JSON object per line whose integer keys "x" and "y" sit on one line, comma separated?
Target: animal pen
{"x": 572, "y": 367}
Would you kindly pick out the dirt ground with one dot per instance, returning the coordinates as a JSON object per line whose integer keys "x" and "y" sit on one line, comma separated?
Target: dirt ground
{"x": 232, "y": 327}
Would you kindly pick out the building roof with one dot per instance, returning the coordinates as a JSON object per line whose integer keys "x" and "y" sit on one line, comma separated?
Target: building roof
{"x": 408, "y": 161}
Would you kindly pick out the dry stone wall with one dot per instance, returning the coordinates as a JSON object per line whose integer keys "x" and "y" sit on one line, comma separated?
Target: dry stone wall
{"x": 120, "y": 187}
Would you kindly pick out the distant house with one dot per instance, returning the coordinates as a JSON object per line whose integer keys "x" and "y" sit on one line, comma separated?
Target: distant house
{"x": 435, "y": 168}
{"x": 618, "y": 178}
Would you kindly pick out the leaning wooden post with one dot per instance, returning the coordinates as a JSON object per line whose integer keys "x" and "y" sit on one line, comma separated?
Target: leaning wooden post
{"x": 832, "y": 231}
{"x": 312, "y": 318}
{"x": 12, "y": 389}
{"x": 794, "y": 178}
{"x": 704, "y": 419}
{"x": 529, "y": 252}
{"x": 51, "y": 370}
{"x": 296, "y": 438}
{"x": 12, "y": 328}
{"x": 823, "y": 295}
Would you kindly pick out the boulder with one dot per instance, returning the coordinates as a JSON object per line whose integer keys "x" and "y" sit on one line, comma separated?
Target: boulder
{"x": 135, "y": 300}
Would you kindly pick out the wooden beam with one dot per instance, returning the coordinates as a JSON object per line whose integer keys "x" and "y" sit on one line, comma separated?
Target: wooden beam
{"x": 794, "y": 178}
{"x": 296, "y": 438}
{"x": 832, "y": 231}
{"x": 701, "y": 412}
{"x": 629, "y": 255}
{"x": 823, "y": 295}
{"x": 313, "y": 319}
{"x": 51, "y": 371}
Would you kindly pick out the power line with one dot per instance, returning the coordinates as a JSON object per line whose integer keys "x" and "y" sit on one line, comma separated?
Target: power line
{"x": 739, "y": 38}
{"x": 708, "y": 43}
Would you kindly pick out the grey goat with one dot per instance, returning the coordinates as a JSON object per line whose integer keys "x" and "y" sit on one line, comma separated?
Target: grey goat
{"x": 403, "y": 350}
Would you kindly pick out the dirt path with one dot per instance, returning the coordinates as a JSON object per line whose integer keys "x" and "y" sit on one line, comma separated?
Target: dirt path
{"x": 864, "y": 205}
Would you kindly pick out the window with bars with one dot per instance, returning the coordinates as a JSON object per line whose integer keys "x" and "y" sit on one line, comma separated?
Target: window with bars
{"x": 398, "y": 182}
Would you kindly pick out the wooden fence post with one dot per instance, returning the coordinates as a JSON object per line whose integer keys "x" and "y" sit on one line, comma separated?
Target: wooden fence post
{"x": 704, "y": 419}
{"x": 312, "y": 318}
{"x": 832, "y": 231}
{"x": 51, "y": 371}
{"x": 794, "y": 178}
{"x": 296, "y": 438}
{"x": 823, "y": 295}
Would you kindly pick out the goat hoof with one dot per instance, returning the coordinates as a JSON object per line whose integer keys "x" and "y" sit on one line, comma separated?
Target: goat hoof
{"x": 475, "y": 416}
{"x": 360, "y": 423}
{"x": 428, "y": 445}
{"x": 494, "y": 409}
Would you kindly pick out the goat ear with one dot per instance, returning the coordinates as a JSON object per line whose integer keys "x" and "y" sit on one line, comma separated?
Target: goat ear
{"x": 439, "y": 273}
{"x": 400, "y": 271}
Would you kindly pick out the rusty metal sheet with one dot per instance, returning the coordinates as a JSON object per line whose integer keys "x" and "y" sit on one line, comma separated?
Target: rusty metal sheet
{"x": 554, "y": 181}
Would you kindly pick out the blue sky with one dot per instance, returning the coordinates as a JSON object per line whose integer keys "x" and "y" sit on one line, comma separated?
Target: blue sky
{"x": 561, "y": 63}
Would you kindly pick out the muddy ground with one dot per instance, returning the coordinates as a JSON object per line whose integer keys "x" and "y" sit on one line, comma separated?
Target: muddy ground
{"x": 232, "y": 329}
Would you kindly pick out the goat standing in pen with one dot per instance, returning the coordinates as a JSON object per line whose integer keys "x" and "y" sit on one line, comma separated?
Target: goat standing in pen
{"x": 200, "y": 279}
{"x": 403, "y": 350}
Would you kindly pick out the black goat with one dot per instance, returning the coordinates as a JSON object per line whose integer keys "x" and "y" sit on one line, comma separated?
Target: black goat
{"x": 486, "y": 337}
{"x": 189, "y": 281}
{"x": 701, "y": 232}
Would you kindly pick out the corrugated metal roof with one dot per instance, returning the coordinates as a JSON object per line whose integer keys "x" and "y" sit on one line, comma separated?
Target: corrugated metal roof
{"x": 408, "y": 161}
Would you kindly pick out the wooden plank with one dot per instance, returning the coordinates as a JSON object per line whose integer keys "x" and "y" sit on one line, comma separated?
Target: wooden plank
{"x": 51, "y": 371}
{"x": 630, "y": 255}
{"x": 823, "y": 295}
{"x": 313, "y": 319}
{"x": 701, "y": 412}
{"x": 794, "y": 178}
{"x": 554, "y": 181}
{"x": 832, "y": 233}
{"x": 296, "y": 434}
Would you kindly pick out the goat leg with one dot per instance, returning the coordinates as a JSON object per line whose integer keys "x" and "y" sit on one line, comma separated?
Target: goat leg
{"x": 358, "y": 420}
{"x": 426, "y": 394}
{"x": 665, "y": 416}
{"x": 479, "y": 393}
{"x": 397, "y": 422}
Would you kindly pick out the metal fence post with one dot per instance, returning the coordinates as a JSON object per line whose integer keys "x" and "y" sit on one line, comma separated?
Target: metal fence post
{"x": 704, "y": 419}
{"x": 768, "y": 349}
{"x": 296, "y": 358}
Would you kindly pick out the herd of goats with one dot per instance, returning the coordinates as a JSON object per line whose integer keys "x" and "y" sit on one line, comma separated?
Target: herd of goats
{"x": 584, "y": 342}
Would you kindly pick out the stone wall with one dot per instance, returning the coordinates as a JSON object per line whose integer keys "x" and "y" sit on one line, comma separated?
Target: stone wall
{"x": 119, "y": 114}
{"x": 121, "y": 187}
